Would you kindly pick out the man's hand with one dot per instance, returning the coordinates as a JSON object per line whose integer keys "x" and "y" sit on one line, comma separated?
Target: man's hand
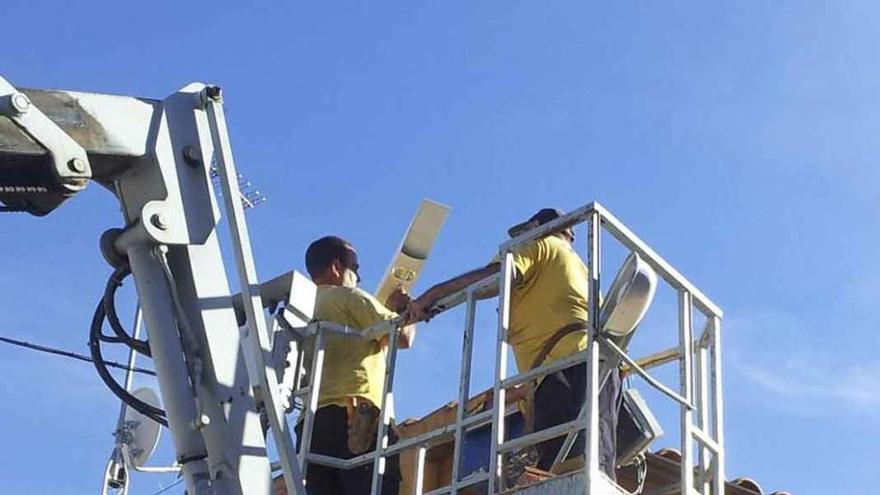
{"x": 418, "y": 308}
{"x": 398, "y": 301}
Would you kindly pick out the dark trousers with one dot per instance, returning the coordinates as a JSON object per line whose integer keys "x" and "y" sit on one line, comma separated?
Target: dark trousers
{"x": 559, "y": 399}
{"x": 330, "y": 438}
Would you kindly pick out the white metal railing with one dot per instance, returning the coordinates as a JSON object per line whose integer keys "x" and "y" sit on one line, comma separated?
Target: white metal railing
{"x": 699, "y": 397}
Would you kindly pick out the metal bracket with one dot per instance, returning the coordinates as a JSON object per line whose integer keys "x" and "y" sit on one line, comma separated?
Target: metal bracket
{"x": 71, "y": 164}
{"x": 171, "y": 195}
{"x": 256, "y": 341}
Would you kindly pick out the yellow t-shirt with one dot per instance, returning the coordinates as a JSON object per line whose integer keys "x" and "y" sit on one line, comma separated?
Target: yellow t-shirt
{"x": 352, "y": 367}
{"x": 552, "y": 292}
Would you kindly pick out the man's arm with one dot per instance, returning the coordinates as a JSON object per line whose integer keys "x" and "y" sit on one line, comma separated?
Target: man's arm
{"x": 399, "y": 302}
{"x": 404, "y": 339}
{"x": 418, "y": 308}
{"x": 366, "y": 311}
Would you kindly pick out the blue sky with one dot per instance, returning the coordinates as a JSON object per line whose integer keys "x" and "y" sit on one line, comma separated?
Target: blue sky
{"x": 739, "y": 140}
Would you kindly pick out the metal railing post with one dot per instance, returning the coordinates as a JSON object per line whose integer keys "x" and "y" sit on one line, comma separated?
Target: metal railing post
{"x": 498, "y": 392}
{"x": 384, "y": 414}
{"x": 718, "y": 407}
{"x": 685, "y": 340}
{"x": 591, "y": 397}
{"x": 702, "y": 400}
{"x": 310, "y": 407}
{"x": 464, "y": 387}
{"x": 420, "y": 470}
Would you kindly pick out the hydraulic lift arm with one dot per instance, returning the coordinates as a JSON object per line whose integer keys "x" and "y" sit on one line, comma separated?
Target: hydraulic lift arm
{"x": 155, "y": 157}
{"x": 53, "y": 142}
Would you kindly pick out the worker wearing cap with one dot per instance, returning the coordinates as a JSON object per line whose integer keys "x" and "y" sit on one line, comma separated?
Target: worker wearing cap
{"x": 352, "y": 381}
{"x": 548, "y": 322}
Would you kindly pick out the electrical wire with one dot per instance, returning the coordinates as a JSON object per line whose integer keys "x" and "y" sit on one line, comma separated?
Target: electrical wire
{"x": 172, "y": 485}
{"x": 109, "y": 302}
{"x": 106, "y": 310}
{"x": 154, "y": 413}
{"x": 72, "y": 355}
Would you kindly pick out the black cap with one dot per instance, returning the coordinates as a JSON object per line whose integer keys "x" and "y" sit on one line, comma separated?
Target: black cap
{"x": 544, "y": 215}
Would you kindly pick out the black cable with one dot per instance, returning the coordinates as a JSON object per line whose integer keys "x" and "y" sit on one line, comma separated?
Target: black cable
{"x": 73, "y": 355}
{"x": 148, "y": 410}
{"x": 109, "y": 302}
{"x": 154, "y": 413}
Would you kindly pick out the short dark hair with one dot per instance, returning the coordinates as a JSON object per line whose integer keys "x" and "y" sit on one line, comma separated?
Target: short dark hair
{"x": 544, "y": 215}
{"x": 325, "y": 251}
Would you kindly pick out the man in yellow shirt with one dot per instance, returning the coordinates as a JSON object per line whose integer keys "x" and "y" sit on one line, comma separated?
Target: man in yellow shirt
{"x": 548, "y": 322}
{"x": 354, "y": 372}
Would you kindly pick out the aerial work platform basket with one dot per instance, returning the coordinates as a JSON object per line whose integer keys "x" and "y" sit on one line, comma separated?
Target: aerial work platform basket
{"x": 698, "y": 395}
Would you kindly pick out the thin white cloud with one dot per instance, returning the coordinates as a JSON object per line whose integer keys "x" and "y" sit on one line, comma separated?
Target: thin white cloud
{"x": 814, "y": 381}
{"x": 781, "y": 356}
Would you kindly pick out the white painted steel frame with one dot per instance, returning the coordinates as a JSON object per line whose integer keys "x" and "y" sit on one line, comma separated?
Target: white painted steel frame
{"x": 626, "y": 237}
{"x": 171, "y": 371}
{"x": 496, "y": 466}
{"x": 685, "y": 375}
{"x": 591, "y": 447}
{"x": 464, "y": 390}
{"x": 705, "y": 404}
{"x": 385, "y": 414}
{"x": 168, "y": 204}
{"x": 419, "y": 475}
{"x": 634, "y": 366}
{"x": 717, "y": 406}
{"x": 311, "y": 403}
{"x": 702, "y": 398}
{"x": 256, "y": 337}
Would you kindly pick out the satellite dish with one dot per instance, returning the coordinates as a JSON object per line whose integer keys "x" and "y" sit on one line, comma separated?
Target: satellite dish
{"x": 628, "y": 298}
{"x": 143, "y": 432}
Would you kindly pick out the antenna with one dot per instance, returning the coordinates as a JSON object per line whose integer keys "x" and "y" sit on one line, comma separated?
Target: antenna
{"x": 250, "y": 198}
